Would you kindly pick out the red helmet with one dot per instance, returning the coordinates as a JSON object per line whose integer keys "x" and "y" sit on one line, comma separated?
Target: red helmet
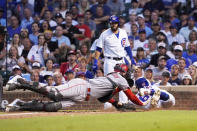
{"x": 121, "y": 68}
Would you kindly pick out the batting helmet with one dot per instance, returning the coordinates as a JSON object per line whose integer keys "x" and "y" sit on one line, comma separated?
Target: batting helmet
{"x": 114, "y": 19}
{"x": 121, "y": 68}
{"x": 141, "y": 83}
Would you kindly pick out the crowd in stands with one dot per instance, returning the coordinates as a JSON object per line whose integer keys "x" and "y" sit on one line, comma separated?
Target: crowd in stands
{"x": 53, "y": 41}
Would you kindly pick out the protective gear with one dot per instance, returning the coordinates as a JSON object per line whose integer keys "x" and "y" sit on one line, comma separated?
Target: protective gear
{"x": 95, "y": 65}
{"x": 36, "y": 105}
{"x": 123, "y": 106}
{"x": 121, "y": 68}
{"x": 53, "y": 94}
{"x": 141, "y": 83}
{"x": 114, "y": 19}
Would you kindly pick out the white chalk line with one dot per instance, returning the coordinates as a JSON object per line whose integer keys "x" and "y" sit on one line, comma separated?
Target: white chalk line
{"x": 18, "y": 114}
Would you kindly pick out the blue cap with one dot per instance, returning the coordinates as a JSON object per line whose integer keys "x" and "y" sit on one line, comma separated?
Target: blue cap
{"x": 114, "y": 19}
{"x": 142, "y": 31}
{"x": 141, "y": 82}
{"x": 69, "y": 71}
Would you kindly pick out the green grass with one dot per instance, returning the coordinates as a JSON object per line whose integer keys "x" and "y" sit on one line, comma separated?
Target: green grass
{"x": 128, "y": 121}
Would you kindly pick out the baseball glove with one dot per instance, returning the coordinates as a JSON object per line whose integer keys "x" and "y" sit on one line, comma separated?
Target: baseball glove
{"x": 123, "y": 106}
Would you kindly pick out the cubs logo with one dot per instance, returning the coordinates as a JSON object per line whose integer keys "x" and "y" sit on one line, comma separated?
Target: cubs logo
{"x": 123, "y": 42}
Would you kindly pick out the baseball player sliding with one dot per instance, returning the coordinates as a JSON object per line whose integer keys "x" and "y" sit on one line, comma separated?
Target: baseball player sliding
{"x": 156, "y": 96}
{"x": 115, "y": 44}
{"x": 76, "y": 90}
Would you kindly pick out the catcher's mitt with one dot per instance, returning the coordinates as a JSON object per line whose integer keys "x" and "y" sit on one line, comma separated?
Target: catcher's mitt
{"x": 123, "y": 106}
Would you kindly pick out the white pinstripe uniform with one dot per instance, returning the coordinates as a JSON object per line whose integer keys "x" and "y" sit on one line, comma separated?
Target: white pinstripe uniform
{"x": 113, "y": 48}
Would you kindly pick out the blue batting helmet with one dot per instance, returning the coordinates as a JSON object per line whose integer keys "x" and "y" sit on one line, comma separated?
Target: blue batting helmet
{"x": 141, "y": 82}
{"x": 114, "y": 19}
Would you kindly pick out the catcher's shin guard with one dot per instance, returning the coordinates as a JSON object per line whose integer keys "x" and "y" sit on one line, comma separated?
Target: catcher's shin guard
{"x": 34, "y": 86}
{"x": 40, "y": 106}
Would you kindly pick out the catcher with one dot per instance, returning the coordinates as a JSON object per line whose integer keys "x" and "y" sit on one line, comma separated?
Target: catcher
{"x": 76, "y": 90}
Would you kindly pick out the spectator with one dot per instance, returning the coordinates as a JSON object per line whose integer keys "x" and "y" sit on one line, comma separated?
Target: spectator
{"x": 27, "y": 46}
{"x": 82, "y": 62}
{"x": 100, "y": 19}
{"x": 71, "y": 31}
{"x": 63, "y": 8}
{"x": 155, "y": 19}
{"x": 40, "y": 52}
{"x": 185, "y": 31}
{"x": 135, "y": 7}
{"x": 28, "y": 20}
{"x": 106, "y": 10}
{"x": 129, "y": 24}
{"x": 83, "y": 6}
{"x": 70, "y": 65}
{"x": 186, "y": 80}
{"x": 156, "y": 28}
{"x": 134, "y": 32}
{"x": 142, "y": 42}
{"x": 89, "y": 22}
{"x": 117, "y": 6}
{"x": 69, "y": 75}
{"x": 142, "y": 25}
{"x": 172, "y": 16}
{"x": 58, "y": 78}
{"x": 49, "y": 80}
{"x": 20, "y": 8}
{"x": 45, "y": 26}
{"x": 74, "y": 22}
{"x": 161, "y": 37}
{"x": 35, "y": 32}
{"x": 164, "y": 80}
{"x": 155, "y": 5}
{"x": 147, "y": 17}
{"x": 86, "y": 39}
{"x": 175, "y": 36}
{"x": 99, "y": 72}
{"x": 152, "y": 45}
{"x": 174, "y": 80}
{"x": 166, "y": 28}
{"x": 84, "y": 51}
{"x": 46, "y": 7}
{"x": 183, "y": 21}
{"x": 35, "y": 76}
{"x": 2, "y": 50}
{"x": 140, "y": 58}
{"x": 74, "y": 11}
{"x": 161, "y": 47}
{"x": 192, "y": 38}
{"x": 178, "y": 51}
{"x": 17, "y": 43}
{"x": 2, "y": 19}
{"x": 24, "y": 33}
{"x": 62, "y": 40}
{"x": 149, "y": 75}
{"x": 138, "y": 72}
{"x": 59, "y": 19}
{"x": 14, "y": 27}
{"x": 48, "y": 70}
{"x": 13, "y": 59}
{"x": 182, "y": 67}
{"x": 192, "y": 70}
{"x": 157, "y": 71}
{"x": 190, "y": 54}
{"x": 48, "y": 17}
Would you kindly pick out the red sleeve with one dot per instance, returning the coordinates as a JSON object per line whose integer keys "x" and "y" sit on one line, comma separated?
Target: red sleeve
{"x": 133, "y": 97}
{"x": 88, "y": 32}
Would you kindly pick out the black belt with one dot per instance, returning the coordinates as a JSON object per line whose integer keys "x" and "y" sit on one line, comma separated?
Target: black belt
{"x": 115, "y": 58}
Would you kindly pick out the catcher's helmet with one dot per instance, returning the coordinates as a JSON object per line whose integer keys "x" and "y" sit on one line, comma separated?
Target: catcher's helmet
{"x": 114, "y": 19}
{"x": 121, "y": 68}
{"x": 141, "y": 83}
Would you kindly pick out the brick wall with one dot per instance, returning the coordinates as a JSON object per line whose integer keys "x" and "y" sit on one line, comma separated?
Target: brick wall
{"x": 186, "y": 98}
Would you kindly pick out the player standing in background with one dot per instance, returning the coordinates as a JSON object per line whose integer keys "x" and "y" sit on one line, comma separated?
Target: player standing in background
{"x": 115, "y": 44}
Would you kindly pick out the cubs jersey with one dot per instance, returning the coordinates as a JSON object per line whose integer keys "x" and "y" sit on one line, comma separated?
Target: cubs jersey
{"x": 113, "y": 44}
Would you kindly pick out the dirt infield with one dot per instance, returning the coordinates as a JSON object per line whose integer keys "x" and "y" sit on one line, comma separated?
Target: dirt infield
{"x": 18, "y": 115}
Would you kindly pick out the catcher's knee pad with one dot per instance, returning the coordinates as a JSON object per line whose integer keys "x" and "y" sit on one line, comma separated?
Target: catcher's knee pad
{"x": 52, "y": 106}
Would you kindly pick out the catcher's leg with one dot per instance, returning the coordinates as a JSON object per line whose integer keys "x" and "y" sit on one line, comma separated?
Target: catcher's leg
{"x": 35, "y": 105}
{"x": 51, "y": 93}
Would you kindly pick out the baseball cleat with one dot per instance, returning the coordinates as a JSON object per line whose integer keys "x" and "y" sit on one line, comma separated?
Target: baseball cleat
{"x": 14, "y": 106}
{"x": 155, "y": 98}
